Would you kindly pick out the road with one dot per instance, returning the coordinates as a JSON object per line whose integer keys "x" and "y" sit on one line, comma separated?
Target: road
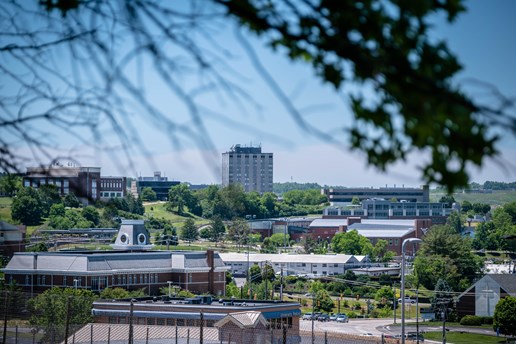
{"x": 379, "y": 326}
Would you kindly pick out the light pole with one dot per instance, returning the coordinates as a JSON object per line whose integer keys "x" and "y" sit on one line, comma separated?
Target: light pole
{"x": 169, "y": 283}
{"x": 75, "y": 281}
{"x": 402, "y": 293}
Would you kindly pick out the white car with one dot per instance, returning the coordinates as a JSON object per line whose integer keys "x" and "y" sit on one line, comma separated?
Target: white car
{"x": 408, "y": 300}
{"x": 342, "y": 318}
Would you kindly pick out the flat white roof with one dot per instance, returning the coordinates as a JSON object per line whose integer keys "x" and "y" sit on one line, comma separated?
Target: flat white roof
{"x": 391, "y": 233}
{"x": 290, "y": 258}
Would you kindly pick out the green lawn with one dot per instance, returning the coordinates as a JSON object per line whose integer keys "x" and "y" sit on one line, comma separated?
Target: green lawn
{"x": 158, "y": 210}
{"x": 498, "y": 197}
{"x": 464, "y": 338}
{"x": 5, "y": 209}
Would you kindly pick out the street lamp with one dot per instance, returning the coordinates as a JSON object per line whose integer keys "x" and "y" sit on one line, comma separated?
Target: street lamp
{"x": 405, "y": 242}
{"x": 169, "y": 283}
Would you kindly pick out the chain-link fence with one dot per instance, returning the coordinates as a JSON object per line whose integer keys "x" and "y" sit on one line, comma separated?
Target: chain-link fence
{"x": 142, "y": 334}
{"x": 68, "y": 319}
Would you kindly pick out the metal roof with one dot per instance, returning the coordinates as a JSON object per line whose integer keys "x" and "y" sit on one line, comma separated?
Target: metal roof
{"x": 108, "y": 262}
{"x": 391, "y": 233}
{"x": 289, "y": 258}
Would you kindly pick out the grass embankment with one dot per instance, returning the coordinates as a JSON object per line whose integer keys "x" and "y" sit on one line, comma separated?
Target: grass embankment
{"x": 464, "y": 338}
{"x": 5, "y": 209}
{"x": 497, "y": 197}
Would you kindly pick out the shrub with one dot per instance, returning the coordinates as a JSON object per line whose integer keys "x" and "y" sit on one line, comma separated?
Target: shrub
{"x": 471, "y": 320}
{"x": 487, "y": 320}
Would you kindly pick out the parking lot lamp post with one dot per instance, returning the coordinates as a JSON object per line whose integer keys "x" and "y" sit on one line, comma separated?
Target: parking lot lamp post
{"x": 402, "y": 291}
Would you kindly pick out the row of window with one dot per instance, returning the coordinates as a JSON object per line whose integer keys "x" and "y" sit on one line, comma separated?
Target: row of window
{"x": 110, "y": 194}
{"x": 160, "y": 321}
{"x": 111, "y": 184}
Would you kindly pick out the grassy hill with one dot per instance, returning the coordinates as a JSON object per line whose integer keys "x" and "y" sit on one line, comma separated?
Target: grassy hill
{"x": 498, "y": 197}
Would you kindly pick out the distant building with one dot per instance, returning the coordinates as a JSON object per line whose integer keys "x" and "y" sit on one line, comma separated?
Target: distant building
{"x": 481, "y": 298}
{"x": 345, "y": 196}
{"x": 12, "y": 239}
{"x": 239, "y": 321}
{"x": 393, "y": 231}
{"x": 84, "y": 182}
{"x": 249, "y": 167}
{"x": 160, "y": 185}
{"x": 294, "y": 264}
{"x": 136, "y": 268}
{"x": 376, "y": 208}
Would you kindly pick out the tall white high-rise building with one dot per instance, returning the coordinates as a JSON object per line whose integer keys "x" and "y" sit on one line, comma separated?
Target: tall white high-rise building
{"x": 249, "y": 167}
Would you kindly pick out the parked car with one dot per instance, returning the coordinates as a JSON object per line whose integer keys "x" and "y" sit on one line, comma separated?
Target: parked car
{"x": 414, "y": 336}
{"x": 307, "y": 316}
{"x": 408, "y": 300}
{"x": 323, "y": 317}
{"x": 333, "y": 317}
{"x": 342, "y": 318}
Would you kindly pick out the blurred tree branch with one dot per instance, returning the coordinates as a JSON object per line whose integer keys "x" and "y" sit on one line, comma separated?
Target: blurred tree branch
{"x": 74, "y": 65}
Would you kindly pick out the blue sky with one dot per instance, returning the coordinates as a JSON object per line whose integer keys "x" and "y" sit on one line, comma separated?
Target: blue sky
{"x": 482, "y": 38}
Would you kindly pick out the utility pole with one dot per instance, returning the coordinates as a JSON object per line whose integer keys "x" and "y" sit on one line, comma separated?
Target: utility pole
{"x": 130, "y": 339}
{"x": 67, "y": 321}
{"x": 417, "y": 315}
{"x": 281, "y": 284}
{"x": 313, "y": 316}
{"x": 394, "y": 301}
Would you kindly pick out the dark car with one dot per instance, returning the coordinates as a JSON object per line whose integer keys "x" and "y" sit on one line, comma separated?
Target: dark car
{"x": 323, "y": 317}
{"x": 415, "y": 335}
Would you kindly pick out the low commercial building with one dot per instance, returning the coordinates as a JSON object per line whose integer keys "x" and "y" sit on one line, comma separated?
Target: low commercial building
{"x": 160, "y": 185}
{"x": 394, "y": 231}
{"x": 293, "y": 264}
{"x": 344, "y": 196}
{"x": 133, "y": 266}
{"x": 190, "y": 312}
{"x": 481, "y": 298}
{"x": 12, "y": 239}
{"x": 84, "y": 182}
{"x": 386, "y": 209}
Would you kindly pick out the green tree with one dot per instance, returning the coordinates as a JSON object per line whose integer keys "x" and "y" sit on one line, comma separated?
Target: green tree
{"x": 486, "y": 237}
{"x": 49, "y": 311}
{"x": 148, "y": 195}
{"x": 49, "y": 195}
{"x": 70, "y": 200}
{"x": 481, "y": 208}
{"x": 384, "y": 296}
{"x": 238, "y": 231}
{"x": 510, "y": 208}
{"x": 10, "y": 184}
{"x": 268, "y": 246}
{"x": 466, "y": 206}
{"x": 355, "y": 200}
{"x": 189, "y": 231}
{"x": 91, "y": 214}
{"x": 178, "y": 197}
{"x": 114, "y": 293}
{"x": 217, "y": 229}
{"x": 445, "y": 254}
{"x": 505, "y": 316}
{"x": 323, "y": 301}
{"x": 57, "y": 209}
{"x": 455, "y": 221}
{"x": 380, "y": 251}
{"x": 27, "y": 207}
{"x": 351, "y": 242}
{"x": 255, "y": 274}
{"x": 384, "y": 47}
{"x": 309, "y": 244}
{"x": 448, "y": 199}
{"x": 270, "y": 202}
